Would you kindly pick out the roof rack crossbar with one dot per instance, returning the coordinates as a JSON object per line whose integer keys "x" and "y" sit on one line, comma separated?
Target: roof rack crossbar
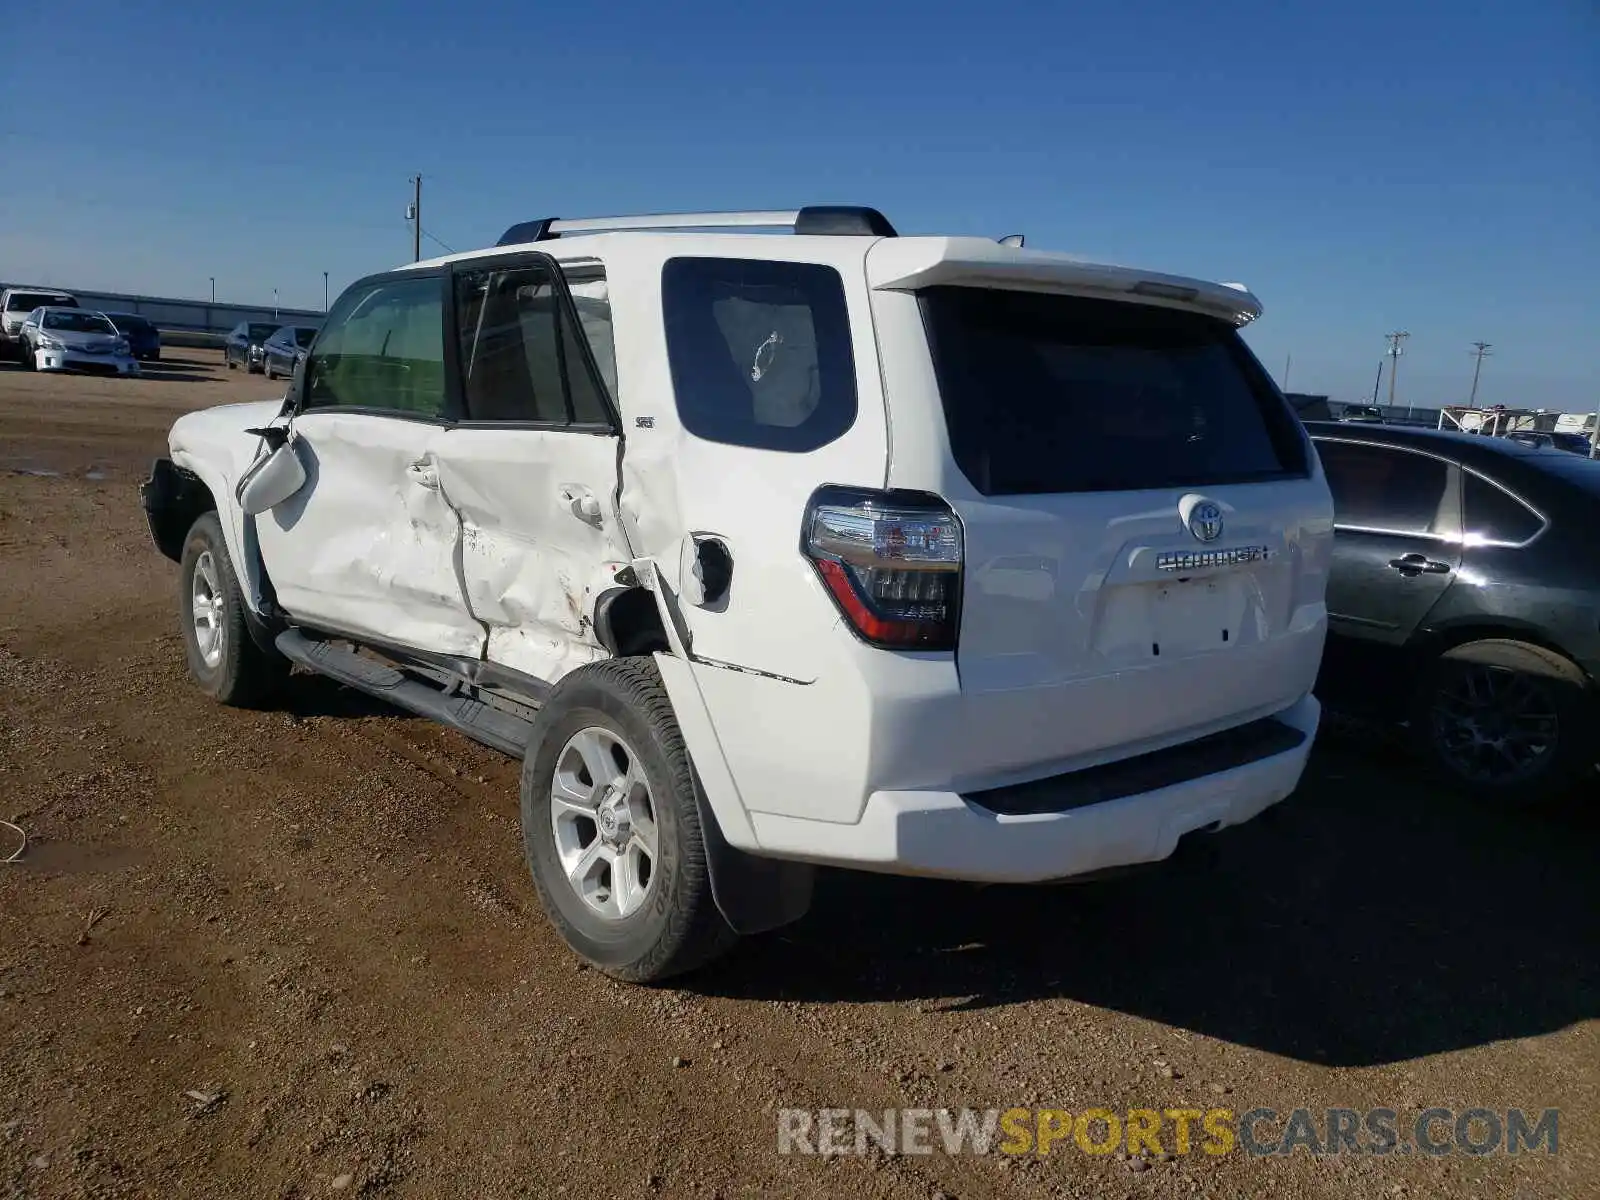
{"x": 815, "y": 219}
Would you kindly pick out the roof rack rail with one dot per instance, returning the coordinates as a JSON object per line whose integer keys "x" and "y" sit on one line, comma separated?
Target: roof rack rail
{"x": 836, "y": 219}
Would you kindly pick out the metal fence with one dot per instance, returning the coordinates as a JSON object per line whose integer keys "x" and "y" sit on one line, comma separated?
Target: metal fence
{"x": 187, "y": 316}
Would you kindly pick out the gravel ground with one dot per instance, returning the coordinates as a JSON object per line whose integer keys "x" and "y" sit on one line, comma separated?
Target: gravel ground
{"x": 296, "y": 953}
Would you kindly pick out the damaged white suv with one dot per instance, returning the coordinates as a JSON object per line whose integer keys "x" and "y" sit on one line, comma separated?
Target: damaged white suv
{"x": 925, "y": 555}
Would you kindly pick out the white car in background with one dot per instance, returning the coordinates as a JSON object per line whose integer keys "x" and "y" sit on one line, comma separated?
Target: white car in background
{"x": 75, "y": 339}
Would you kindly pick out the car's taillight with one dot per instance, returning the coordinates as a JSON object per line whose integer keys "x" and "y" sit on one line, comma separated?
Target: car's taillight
{"x": 892, "y": 563}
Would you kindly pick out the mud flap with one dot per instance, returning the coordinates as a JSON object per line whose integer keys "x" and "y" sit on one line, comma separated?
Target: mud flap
{"x": 752, "y": 894}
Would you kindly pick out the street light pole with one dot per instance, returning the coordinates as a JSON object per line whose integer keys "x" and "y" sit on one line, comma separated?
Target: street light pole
{"x": 1479, "y": 352}
{"x": 213, "y": 289}
{"x": 324, "y": 293}
{"x": 274, "y": 304}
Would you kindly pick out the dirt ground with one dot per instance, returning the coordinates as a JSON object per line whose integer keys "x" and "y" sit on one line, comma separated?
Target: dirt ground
{"x": 296, "y": 953}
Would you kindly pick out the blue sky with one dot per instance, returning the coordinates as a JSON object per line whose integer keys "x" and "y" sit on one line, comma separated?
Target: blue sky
{"x": 1363, "y": 166}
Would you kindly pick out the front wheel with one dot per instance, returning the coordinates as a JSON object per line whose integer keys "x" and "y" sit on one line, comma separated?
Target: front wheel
{"x": 1506, "y": 720}
{"x": 269, "y": 372}
{"x": 223, "y": 658}
{"x": 611, "y": 826}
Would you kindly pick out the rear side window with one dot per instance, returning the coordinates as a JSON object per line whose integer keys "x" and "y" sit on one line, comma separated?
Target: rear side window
{"x": 1494, "y": 515}
{"x": 1047, "y": 393}
{"x": 760, "y": 352}
{"x": 521, "y": 356}
{"x": 1384, "y": 490}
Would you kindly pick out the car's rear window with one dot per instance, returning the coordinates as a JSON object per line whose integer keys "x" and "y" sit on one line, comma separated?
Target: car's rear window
{"x": 28, "y": 301}
{"x": 260, "y": 333}
{"x": 1050, "y": 393}
{"x": 129, "y": 321}
{"x": 760, "y": 351}
{"x": 303, "y": 336}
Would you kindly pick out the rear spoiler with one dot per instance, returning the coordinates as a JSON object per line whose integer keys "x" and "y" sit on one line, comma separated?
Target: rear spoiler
{"x": 910, "y": 264}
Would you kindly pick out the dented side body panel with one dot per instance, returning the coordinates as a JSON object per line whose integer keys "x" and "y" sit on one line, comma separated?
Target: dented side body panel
{"x": 369, "y": 546}
{"x": 540, "y": 539}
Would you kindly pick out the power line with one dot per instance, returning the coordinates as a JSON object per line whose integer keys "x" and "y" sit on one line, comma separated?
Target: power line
{"x": 1480, "y": 351}
{"x": 448, "y": 249}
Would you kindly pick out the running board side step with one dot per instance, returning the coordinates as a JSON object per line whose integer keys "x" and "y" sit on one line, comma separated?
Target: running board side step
{"x": 482, "y": 722}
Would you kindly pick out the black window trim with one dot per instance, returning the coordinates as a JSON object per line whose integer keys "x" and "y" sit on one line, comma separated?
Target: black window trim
{"x": 590, "y": 269}
{"x": 1497, "y": 543}
{"x": 1453, "y": 493}
{"x": 441, "y": 276}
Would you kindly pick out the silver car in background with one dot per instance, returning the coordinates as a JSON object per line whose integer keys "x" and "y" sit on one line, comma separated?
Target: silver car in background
{"x": 75, "y": 339}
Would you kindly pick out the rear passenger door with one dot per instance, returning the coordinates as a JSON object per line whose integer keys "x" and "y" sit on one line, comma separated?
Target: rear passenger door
{"x": 1397, "y": 537}
{"x": 532, "y": 466}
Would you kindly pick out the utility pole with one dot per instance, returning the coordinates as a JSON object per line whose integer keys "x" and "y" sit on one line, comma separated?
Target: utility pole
{"x": 324, "y": 293}
{"x": 1480, "y": 350}
{"x": 1287, "y": 359}
{"x": 1377, "y": 381}
{"x": 1396, "y": 349}
{"x": 414, "y": 215}
{"x": 213, "y": 289}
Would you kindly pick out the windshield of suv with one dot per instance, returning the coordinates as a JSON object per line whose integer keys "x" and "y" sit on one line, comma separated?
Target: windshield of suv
{"x": 1048, "y": 393}
{"x": 260, "y": 333}
{"x": 303, "y": 337}
{"x": 78, "y": 322}
{"x": 28, "y": 301}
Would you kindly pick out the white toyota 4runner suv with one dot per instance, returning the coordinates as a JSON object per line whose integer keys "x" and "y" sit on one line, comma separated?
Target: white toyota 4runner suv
{"x": 933, "y": 556}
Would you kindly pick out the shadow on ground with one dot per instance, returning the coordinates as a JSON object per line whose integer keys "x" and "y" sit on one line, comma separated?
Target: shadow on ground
{"x": 1369, "y": 919}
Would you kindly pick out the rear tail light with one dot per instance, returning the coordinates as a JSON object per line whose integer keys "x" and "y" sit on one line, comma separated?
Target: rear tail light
{"x": 892, "y": 563}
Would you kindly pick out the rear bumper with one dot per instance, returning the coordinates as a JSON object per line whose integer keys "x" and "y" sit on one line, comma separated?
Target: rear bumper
{"x": 945, "y": 834}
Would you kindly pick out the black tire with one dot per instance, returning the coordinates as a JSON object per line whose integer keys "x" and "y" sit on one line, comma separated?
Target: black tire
{"x": 242, "y": 675}
{"x": 1531, "y": 701}
{"x": 227, "y": 357}
{"x": 677, "y": 927}
{"x": 26, "y": 358}
{"x": 266, "y": 369}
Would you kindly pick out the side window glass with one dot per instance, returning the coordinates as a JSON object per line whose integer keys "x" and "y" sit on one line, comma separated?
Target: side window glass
{"x": 382, "y": 349}
{"x": 1495, "y": 515}
{"x": 1395, "y": 491}
{"x": 521, "y": 357}
{"x": 760, "y": 352}
{"x": 593, "y": 302}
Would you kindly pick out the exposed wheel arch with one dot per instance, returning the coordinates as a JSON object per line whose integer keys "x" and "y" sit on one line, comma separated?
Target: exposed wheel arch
{"x": 1549, "y": 657}
{"x": 627, "y": 621}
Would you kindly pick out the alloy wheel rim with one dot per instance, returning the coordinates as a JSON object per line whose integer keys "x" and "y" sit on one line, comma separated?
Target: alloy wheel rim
{"x": 1494, "y": 725}
{"x": 604, "y": 820}
{"x": 206, "y": 595}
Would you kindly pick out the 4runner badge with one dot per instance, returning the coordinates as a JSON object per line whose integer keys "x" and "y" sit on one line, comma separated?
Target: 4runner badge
{"x": 1205, "y": 521}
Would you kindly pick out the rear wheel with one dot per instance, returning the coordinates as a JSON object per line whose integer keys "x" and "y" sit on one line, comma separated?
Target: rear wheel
{"x": 227, "y": 357}
{"x": 1506, "y": 720}
{"x": 611, "y": 826}
{"x": 223, "y": 658}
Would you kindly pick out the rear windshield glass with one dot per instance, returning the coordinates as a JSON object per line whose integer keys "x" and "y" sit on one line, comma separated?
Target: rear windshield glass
{"x": 760, "y": 352}
{"x": 303, "y": 337}
{"x": 77, "y": 322}
{"x": 260, "y": 333}
{"x": 129, "y": 321}
{"x": 1046, "y": 393}
{"x": 28, "y": 301}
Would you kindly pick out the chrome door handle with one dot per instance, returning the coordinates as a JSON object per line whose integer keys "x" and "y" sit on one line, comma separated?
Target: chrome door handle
{"x": 423, "y": 474}
{"x": 1417, "y": 564}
